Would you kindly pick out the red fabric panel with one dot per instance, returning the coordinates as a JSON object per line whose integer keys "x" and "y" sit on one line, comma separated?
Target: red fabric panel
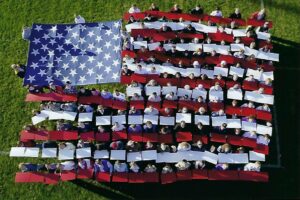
{"x": 188, "y": 104}
{"x": 102, "y": 137}
{"x": 248, "y": 111}
{"x": 119, "y": 135}
{"x": 103, "y": 177}
{"x": 51, "y": 179}
{"x": 187, "y": 81}
{"x": 120, "y": 177}
{"x": 68, "y": 175}
{"x": 254, "y": 176}
{"x": 190, "y": 35}
{"x": 212, "y": 60}
{"x": 151, "y": 177}
{"x": 107, "y": 103}
{"x": 164, "y": 81}
{"x": 158, "y": 37}
{"x": 137, "y": 137}
{"x": 140, "y": 78}
{"x": 136, "y": 16}
{"x": 152, "y": 137}
{"x": 136, "y": 178}
{"x": 215, "y": 137}
{"x": 165, "y": 138}
{"x": 138, "y": 104}
{"x": 129, "y": 53}
{"x": 228, "y": 175}
{"x": 264, "y": 115}
{"x": 235, "y": 140}
{"x": 85, "y": 173}
{"x": 90, "y": 100}
{"x": 50, "y": 97}
{"x": 230, "y": 84}
{"x": 255, "y": 22}
{"x": 267, "y": 89}
{"x": 203, "y": 138}
{"x": 221, "y": 82}
{"x": 88, "y": 136}
{"x": 249, "y": 85}
{"x": 22, "y": 177}
{"x": 206, "y": 83}
{"x": 169, "y": 104}
{"x": 168, "y": 178}
{"x": 230, "y": 110}
{"x": 154, "y": 104}
{"x": 184, "y": 175}
{"x": 33, "y": 135}
{"x": 199, "y": 174}
{"x": 248, "y": 142}
{"x": 183, "y": 136}
{"x": 215, "y": 106}
{"x": 120, "y": 105}
{"x": 260, "y": 148}
{"x": 143, "y": 32}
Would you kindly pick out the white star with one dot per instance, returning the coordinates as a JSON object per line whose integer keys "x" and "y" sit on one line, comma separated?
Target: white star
{"x": 82, "y": 66}
{"x": 99, "y": 77}
{"x": 107, "y": 56}
{"x": 36, "y": 41}
{"x": 44, "y": 47}
{"x": 82, "y": 27}
{"x": 65, "y": 66}
{"x": 115, "y": 76}
{"x": 90, "y": 72}
{"x": 91, "y": 46}
{"x": 35, "y": 52}
{"x": 74, "y": 59}
{"x": 49, "y": 79}
{"x": 75, "y": 35}
{"x": 108, "y": 32}
{"x": 34, "y": 65}
{"x": 91, "y": 33}
{"x": 42, "y": 72}
{"x": 46, "y": 36}
{"x": 65, "y": 79}
{"x": 59, "y": 35}
{"x": 116, "y": 24}
{"x": 52, "y": 41}
{"x": 107, "y": 69}
{"x": 116, "y": 37}
{"x": 73, "y": 72}
{"x": 75, "y": 47}
{"x": 116, "y": 63}
{"x": 82, "y": 79}
{"x": 50, "y": 53}
{"x": 117, "y": 48}
{"x": 99, "y": 50}
{"x": 31, "y": 79}
{"x": 68, "y": 28}
{"x": 50, "y": 65}
{"x": 57, "y": 73}
{"x": 67, "y": 53}
{"x": 99, "y": 65}
{"x": 81, "y": 40}
{"x": 53, "y": 29}
{"x": 43, "y": 59}
{"x": 60, "y": 48}
{"x": 38, "y": 28}
{"x": 82, "y": 52}
{"x": 58, "y": 59}
{"x": 107, "y": 44}
{"x": 99, "y": 38}
{"x": 68, "y": 41}
{"x": 91, "y": 59}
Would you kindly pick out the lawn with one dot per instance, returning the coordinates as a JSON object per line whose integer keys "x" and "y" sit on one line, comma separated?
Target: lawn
{"x": 15, "y": 112}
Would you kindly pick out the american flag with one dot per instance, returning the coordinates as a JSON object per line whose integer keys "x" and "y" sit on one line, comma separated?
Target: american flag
{"x": 83, "y": 54}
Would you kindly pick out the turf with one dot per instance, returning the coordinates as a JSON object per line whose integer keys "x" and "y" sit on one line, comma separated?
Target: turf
{"x": 15, "y": 112}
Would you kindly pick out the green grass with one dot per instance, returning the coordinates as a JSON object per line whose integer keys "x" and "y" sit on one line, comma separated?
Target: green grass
{"x": 15, "y": 112}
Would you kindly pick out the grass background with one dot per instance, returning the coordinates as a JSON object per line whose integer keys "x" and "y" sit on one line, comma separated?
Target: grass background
{"x": 14, "y": 112}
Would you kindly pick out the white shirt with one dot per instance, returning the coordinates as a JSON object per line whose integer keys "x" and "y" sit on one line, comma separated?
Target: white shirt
{"x": 249, "y": 135}
{"x": 121, "y": 96}
{"x": 118, "y": 128}
{"x": 251, "y": 167}
{"x": 262, "y": 140}
{"x": 170, "y": 97}
{"x": 140, "y": 71}
{"x": 154, "y": 98}
{"x": 135, "y": 168}
{"x": 134, "y": 10}
{"x": 121, "y": 167}
{"x": 216, "y": 13}
{"x": 68, "y": 165}
{"x": 263, "y": 108}
{"x": 148, "y": 111}
{"x": 79, "y": 20}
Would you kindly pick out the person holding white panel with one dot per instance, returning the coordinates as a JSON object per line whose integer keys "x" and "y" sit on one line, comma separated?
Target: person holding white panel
{"x": 239, "y": 54}
{"x": 198, "y": 146}
{"x": 184, "y": 146}
{"x": 216, "y": 87}
{"x": 150, "y": 168}
{"x": 199, "y": 164}
{"x": 183, "y": 165}
{"x": 171, "y": 96}
{"x": 217, "y": 12}
{"x": 225, "y": 148}
{"x": 120, "y": 167}
{"x": 149, "y": 127}
{"x": 250, "y": 78}
{"x": 84, "y": 163}
{"x": 264, "y": 107}
{"x": 152, "y": 82}
{"x": 201, "y": 111}
{"x": 154, "y": 97}
{"x": 167, "y": 169}
{"x": 117, "y": 127}
{"x": 150, "y": 110}
{"x": 67, "y": 166}
{"x": 133, "y": 167}
{"x": 66, "y": 146}
{"x": 181, "y": 127}
{"x": 250, "y": 134}
{"x": 253, "y": 166}
{"x": 263, "y": 139}
{"x": 140, "y": 70}
{"x": 250, "y": 104}
{"x": 137, "y": 97}
{"x": 102, "y": 166}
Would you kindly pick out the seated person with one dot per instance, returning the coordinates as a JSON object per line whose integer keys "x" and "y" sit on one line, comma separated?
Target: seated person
{"x": 84, "y": 164}
{"x": 153, "y": 7}
{"x": 66, "y": 146}
{"x": 133, "y": 146}
{"x": 222, "y": 166}
{"x": 183, "y": 110}
{"x": 250, "y": 134}
{"x": 85, "y": 108}
{"x": 201, "y": 129}
{"x": 165, "y": 130}
{"x": 259, "y": 15}
{"x": 149, "y": 146}
{"x": 67, "y": 166}
{"x": 183, "y": 165}
{"x": 198, "y": 146}
{"x": 163, "y": 148}
{"x": 116, "y": 145}
{"x": 167, "y": 112}
{"x": 218, "y": 113}
{"x": 152, "y": 82}
{"x": 264, "y": 107}
{"x": 199, "y": 164}
{"x": 253, "y": 166}
{"x": 171, "y": 96}
{"x": 95, "y": 92}
{"x": 79, "y": 19}
{"x": 133, "y": 166}
{"x": 263, "y": 139}
{"x": 70, "y": 107}
{"x": 216, "y": 87}
{"x": 225, "y": 148}
{"x": 181, "y": 127}
{"x": 267, "y": 82}
{"x": 84, "y": 127}
{"x": 150, "y": 168}
{"x": 249, "y": 119}
{"x": 117, "y": 127}
{"x": 150, "y": 110}
{"x": 134, "y": 111}
{"x": 149, "y": 127}
{"x": 198, "y": 10}
{"x": 101, "y": 111}
{"x": 105, "y": 94}
{"x": 201, "y": 111}
{"x": 221, "y": 129}
{"x": 84, "y": 92}
{"x": 69, "y": 88}
{"x": 102, "y": 166}
{"x": 117, "y": 95}
{"x": 184, "y": 146}
{"x": 120, "y": 167}
{"x": 29, "y": 167}
{"x": 236, "y": 15}
{"x": 134, "y": 9}
{"x": 154, "y": 97}
{"x": 250, "y": 78}
{"x": 135, "y": 128}
{"x": 51, "y": 168}
{"x": 250, "y": 104}
{"x": 217, "y": 12}
{"x": 61, "y": 126}
{"x": 83, "y": 144}
{"x": 176, "y": 9}
{"x": 165, "y": 28}
{"x": 167, "y": 169}
{"x": 101, "y": 129}
{"x": 189, "y": 29}
{"x": 137, "y": 97}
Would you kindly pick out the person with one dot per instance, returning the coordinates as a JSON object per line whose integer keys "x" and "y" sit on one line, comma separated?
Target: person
{"x": 150, "y": 168}
{"x": 117, "y": 127}
{"x": 29, "y": 167}
{"x": 264, "y": 28}
{"x": 198, "y": 10}
{"x": 133, "y": 146}
{"x": 222, "y": 166}
{"x": 51, "y": 168}
{"x": 84, "y": 164}
{"x": 134, "y": 167}
{"x": 189, "y": 29}
{"x": 176, "y": 9}
{"x": 26, "y": 33}
{"x": 236, "y": 14}
{"x": 119, "y": 96}
{"x": 135, "y": 128}
{"x": 153, "y": 7}
{"x": 102, "y": 166}
{"x": 163, "y": 148}
{"x": 259, "y": 15}
{"x": 134, "y": 9}
{"x": 225, "y": 148}
{"x": 183, "y": 165}
{"x": 69, "y": 88}
{"x": 217, "y": 12}
{"x": 198, "y": 146}
{"x": 165, "y": 28}
{"x": 67, "y": 166}
{"x": 150, "y": 110}
{"x": 253, "y": 166}
{"x": 199, "y": 164}
{"x": 116, "y": 145}
{"x": 66, "y": 146}
{"x": 264, "y": 107}
{"x": 263, "y": 139}
{"x": 171, "y": 96}
{"x": 120, "y": 167}
{"x": 105, "y": 94}
{"x": 181, "y": 127}
{"x": 19, "y": 70}
{"x": 130, "y": 21}
{"x": 134, "y": 111}
{"x": 167, "y": 169}
{"x": 149, "y": 127}
{"x": 184, "y": 146}
{"x": 154, "y": 97}
{"x": 79, "y": 19}
{"x": 250, "y": 134}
